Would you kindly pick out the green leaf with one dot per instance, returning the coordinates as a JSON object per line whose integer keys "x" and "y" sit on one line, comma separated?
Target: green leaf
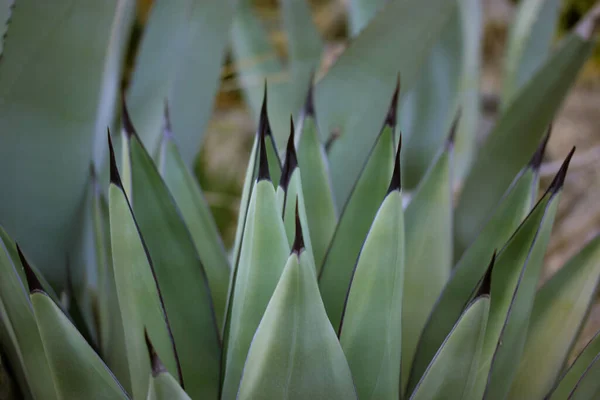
{"x": 139, "y": 296}
{"x": 361, "y": 80}
{"x": 263, "y": 254}
{"x": 5, "y": 11}
{"x": 18, "y": 314}
{"x": 162, "y": 384}
{"x": 371, "y": 326}
{"x": 559, "y": 311}
{"x": 77, "y": 370}
{"x": 179, "y": 274}
{"x": 471, "y": 268}
{"x": 581, "y": 375}
{"x": 451, "y": 372}
{"x": 427, "y": 112}
{"x": 295, "y": 353}
{"x": 360, "y": 12}
{"x": 516, "y": 134}
{"x": 198, "y": 219}
{"x": 529, "y": 43}
{"x": 48, "y": 136}
{"x": 513, "y": 285}
{"x": 355, "y": 222}
{"x": 428, "y": 222}
{"x": 183, "y": 44}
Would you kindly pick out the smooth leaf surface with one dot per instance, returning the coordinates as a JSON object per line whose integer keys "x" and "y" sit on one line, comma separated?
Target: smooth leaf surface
{"x": 362, "y": 80}
{"x": 295, "y": 353}
{"x": 372, "y": 323}
{"x": 451, "y": 372}
{"x": 360, "y": 12}
{"x": 199, "y": 221}
{"x": 165, "y": 387}
{"x": 558, "y": 314}
{"x": 354, "y": 224}
{"x": 179, "y": 59}
{"x": 515, "y": 136}
{"x": 179, "y": 274}
{"x": 264, "y": 252}
{"x": 428, "y": 222}
{"x": 77, "y": 370}
{"x": 470, "y": 269}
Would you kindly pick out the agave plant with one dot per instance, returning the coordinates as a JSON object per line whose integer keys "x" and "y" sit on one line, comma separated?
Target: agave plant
{"x": 352, "y": 274}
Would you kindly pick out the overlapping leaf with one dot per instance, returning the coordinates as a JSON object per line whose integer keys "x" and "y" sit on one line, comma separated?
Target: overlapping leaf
{"x": 162, "y": 384}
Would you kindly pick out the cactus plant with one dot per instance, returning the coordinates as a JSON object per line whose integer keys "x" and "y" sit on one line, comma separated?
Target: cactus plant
{"x": 337, "y": 286}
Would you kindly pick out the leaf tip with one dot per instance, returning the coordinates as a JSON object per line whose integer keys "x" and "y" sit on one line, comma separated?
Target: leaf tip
{"x": 127, "y": 123}
{"x": 396, "y": 182}
{"x": 298, "y": 245}
{"x": 538, "y": 156}
{"x": 263, "y": 162}
{"x": 453, "y": 129}
{"x": 559, "y": 180}
{"x": 32, "y": 280}
{"x": 157, "y": 365}
{"x": 168, "y": 128}
{"x": 291, "y": 159}
{"x": 486, "y": 282}
{"x": 115, "y": 177}
{"x": 309, "y": 103}
{"x": 392, "y": 117}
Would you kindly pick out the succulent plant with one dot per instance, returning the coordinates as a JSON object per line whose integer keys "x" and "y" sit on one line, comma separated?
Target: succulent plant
{"x": 352, "y": 275}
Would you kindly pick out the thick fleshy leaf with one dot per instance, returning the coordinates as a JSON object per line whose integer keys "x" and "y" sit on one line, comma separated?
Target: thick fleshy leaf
{"x": 162, "y": 384}
{"x": 428, "y": 222}
{"x": 472, "y": 266}
{"x": 451, "y": 372}
{"x": 582, "y": 375}
{"x": 48, "y": 136}
{"x": 263, "y": 254}
{"x": 514, "y": 281}
{"x": 428, "y": 111}
{"x": 517, "y": 132}
{"x": 139, "y": 296}
{"x": 178, "y": 37}
{"x": 199, "y": 221}
{"x": 179, "y": 274}
{"x": 355, "y": 222}
{"x": 529, "y": 43}
{"x": 559, "y": 310}
{"x": 295, "y": 353}
{"x": 371, "y": 326}
{"x": 360, "y": 12}
{"x": 19, "y": 316}
{"x": 77, "y": 370}
{"x": 316, "y": 183}
{"x": 362, "y": 77}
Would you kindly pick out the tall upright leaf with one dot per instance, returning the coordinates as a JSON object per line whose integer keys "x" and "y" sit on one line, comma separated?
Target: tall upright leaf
{"x": 518, "y": 131}
{"x": 179, "y": 59}
{"x": 356, "y": 219}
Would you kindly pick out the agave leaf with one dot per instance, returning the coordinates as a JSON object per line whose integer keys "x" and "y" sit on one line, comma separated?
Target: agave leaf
{"x": 19, "y": 316}
{"x": 140, "y": 300}
{"x": 360, "y": 12}
{"x": 470, "y": 269}
{"x": 451, "y": 372}
{"x": 529, "y": 44}
{"x": 471, "y": 15}
{"x": 199, "y": 221}
{"x": 373, "y": 310}
{"x": 77, "y": 370}
{"x": 559, "y": 310}
{"x": 11, "y": 355}
{"x": 513, "y": 284}
{"x": 321, "y": 214}
{"x": 295, "y": 353}
{"x": 428, "y": 110}
{"x": 428, "y": 222}
{"x": 180, "y": 275}
{"x": 581, "y": 375}
{"x": 263, "y": 253}
{"x": 112, "y": 337}
{"x": 162, "y": 384}
{"x": 48, "y": 136}
{"x": 356, "y": 219}
{"x": 361, "y": 80}
{"x": 178, "y": 37}
{"x": 517, "y": 133}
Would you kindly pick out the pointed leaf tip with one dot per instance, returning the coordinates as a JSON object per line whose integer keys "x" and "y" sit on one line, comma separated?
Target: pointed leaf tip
{"x": 392, "y": 112}
{"x": 32, "y": 280}
{"x": 263, "y": 162}
{"x": 559, "y": 179}
{"x": 453, "y": 129}
{"x": 538, "y": 156}
{"x": 291, "y": 159}
{"x": 298, "y": 245}
{"x": 127, "y": 123}
{"x": 396, "y": 182}
{"x": 486, "y": 282}
{"x": 115, "y": 177}
{"x": 168, "y": 130}
{"x": 309, "y": 104}
{"x": 157, "y": 365}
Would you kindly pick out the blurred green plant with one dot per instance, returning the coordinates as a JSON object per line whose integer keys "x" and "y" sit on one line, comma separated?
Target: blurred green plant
{"x": 351, "y": 275}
